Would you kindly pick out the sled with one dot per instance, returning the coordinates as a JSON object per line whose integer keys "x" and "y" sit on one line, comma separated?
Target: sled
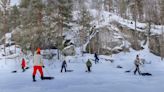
{"x": 14, "y": 71}
{"x": 128, "y": 71}
{"x": 48, "y": 78}
{"x": 88, "y": 71}
{"x": 27, "y": 67}
{"x": 146, "y": 74}
{"x": 119, "y": 66}
{"x": 69, "y": 70}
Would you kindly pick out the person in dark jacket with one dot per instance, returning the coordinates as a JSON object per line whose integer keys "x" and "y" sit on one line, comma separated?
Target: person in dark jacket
{"x": 64, "y": 65}
{"x": 96, "y": 58}
{"x": 137, "y": 64}
{"x": 89, "y": 65}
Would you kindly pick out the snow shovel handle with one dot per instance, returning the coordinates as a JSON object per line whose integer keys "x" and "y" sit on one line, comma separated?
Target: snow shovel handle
{"x": 47, "y": 72}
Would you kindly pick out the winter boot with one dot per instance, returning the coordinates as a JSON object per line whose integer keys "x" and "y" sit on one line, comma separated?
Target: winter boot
{"x": 23, "y": 70}
{"x": 33, "y": 78}
{"x": 42, "y": 78}
{"x": 61, "y": 70}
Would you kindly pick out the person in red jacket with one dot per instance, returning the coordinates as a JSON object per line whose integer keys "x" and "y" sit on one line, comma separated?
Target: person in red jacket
{"x": 23, "y": 65}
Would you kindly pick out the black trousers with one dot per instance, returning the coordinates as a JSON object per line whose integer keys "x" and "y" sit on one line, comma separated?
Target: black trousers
{"x": 89, "y": 68}
{"x": 63, "y": 67}
{"x": 23, "y": 69}
{"x": 96, "y": 60}
{"x": 137, "y": 70}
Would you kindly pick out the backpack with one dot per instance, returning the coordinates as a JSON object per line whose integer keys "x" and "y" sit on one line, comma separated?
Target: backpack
{"x": 89, "y": 63}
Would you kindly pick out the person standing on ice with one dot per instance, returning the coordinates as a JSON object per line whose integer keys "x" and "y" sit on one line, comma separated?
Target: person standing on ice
{"x": 64, "y": 65}
{"x": 137, "y": 64}
{"x": 38, "y": 64}
{"x": 96, "y": 58}
{"x": 23, "y": 65}
{"x": 89, "y": 65}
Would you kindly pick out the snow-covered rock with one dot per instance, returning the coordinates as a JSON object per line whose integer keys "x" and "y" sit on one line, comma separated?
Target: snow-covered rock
{"x": 105, "y": 41}
{"x": 69, "y": 50}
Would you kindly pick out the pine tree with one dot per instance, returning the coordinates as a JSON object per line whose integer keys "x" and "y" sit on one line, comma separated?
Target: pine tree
{"x": 5, "y": 4}
{"x": 135, "y": 40}
{"x": 85, "y": 19}
{"x": 161, "y": 40}
{"x": 162, "y": 11}
{"x": 14, "y": 17}
{"x": 49, "y": 23}
{"x": 31, "y": 24}
{"x": 162, "y": 22}
{"x": 64, "y": 18}
{"x": 139, "y": 6}
{"x": 5, "y": 8}
{"x": 123, "y": 8}
{"x": 24, "y": 3}
{"x": 1, "y": 22}
{"x": 35, "y": 16}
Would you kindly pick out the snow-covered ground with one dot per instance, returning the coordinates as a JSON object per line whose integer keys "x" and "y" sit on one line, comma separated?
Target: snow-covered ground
{"x": 105, "y": 77}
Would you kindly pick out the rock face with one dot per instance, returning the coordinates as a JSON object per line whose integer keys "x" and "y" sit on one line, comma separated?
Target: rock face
{"x": 155, "y": 41}
{"x": 105, "y": 41}
{"x": 134, "y": 37}
{"x": 154, "y": 44}
{"x": 69, "y": 50}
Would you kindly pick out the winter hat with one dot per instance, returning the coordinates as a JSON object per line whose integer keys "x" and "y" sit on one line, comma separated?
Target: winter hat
{"x": 38, "y": 51}
{"x": 137, "y": 55}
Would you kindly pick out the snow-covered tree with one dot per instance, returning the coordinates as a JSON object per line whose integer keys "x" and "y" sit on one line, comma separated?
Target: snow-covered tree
{"x": 85, "y": 24}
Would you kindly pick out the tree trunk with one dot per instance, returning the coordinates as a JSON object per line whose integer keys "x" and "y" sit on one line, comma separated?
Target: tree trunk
{"x": 58, "y": 51}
